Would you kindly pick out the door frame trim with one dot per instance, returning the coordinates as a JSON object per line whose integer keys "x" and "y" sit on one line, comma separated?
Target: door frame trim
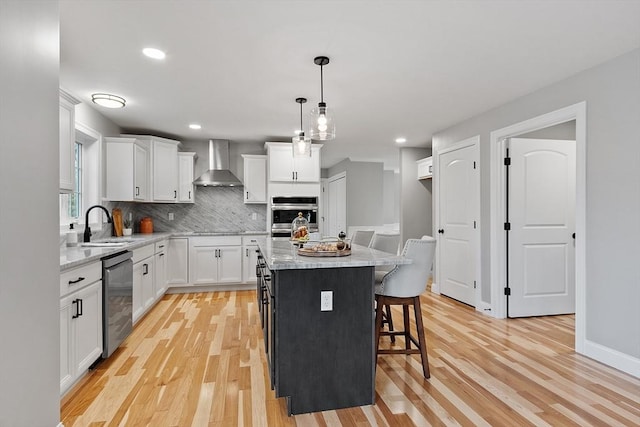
{"x": 577, "y": 112}
{"x": 473, "y": 142}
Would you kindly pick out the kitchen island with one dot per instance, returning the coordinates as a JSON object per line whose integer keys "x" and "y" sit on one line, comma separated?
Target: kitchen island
{"x": 317, "y": 315}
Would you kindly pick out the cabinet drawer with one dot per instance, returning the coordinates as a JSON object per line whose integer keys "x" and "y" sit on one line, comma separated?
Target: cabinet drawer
{"x": 215, "y": 241}
{"x": 161, "y": 246}
{"x": 143, "y": 252}
{"x": 250, "y": 240}
{"x": 72, "y": 280}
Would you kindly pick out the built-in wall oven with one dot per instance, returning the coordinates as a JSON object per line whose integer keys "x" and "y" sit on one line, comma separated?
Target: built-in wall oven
{"x": 284, "y": 209}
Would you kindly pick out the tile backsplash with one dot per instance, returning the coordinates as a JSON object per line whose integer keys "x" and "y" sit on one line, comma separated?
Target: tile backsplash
{"x": 215, "y": 209}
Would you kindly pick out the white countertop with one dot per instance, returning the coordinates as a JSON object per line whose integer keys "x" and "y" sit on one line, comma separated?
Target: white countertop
{"x": 71, "y": 257}
{"x": 282, "y": 255}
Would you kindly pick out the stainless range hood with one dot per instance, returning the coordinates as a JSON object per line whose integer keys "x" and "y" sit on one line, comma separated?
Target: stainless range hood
{"x": 218, "y": 174}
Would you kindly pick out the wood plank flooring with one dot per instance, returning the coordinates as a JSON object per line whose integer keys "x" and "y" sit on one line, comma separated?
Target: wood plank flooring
{"x": 198, "y": 360}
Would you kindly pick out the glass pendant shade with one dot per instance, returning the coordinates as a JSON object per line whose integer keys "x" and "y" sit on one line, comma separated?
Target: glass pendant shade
{"x": 301, "y": 146}
{"x": 321, "y": 124}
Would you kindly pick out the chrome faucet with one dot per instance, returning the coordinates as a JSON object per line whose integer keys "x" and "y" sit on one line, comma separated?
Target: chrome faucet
{"x": 87, "y": 230}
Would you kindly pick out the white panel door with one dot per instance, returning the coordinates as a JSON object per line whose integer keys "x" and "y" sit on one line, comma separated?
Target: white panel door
{"x": 337, "y": 220}
{"x": 541, "y": 203}
{"x": 458, "y": 204}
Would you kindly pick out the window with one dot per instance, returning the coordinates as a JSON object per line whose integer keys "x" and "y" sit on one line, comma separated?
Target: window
{"x": 87, "y": 181}
{"x": 71, "y": 203}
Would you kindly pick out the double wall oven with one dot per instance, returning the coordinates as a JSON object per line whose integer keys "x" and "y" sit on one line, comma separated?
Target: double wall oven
{"x": 285, "y": 209}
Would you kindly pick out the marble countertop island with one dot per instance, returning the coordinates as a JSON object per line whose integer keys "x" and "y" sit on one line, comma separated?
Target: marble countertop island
{"x": 283, "y": 255}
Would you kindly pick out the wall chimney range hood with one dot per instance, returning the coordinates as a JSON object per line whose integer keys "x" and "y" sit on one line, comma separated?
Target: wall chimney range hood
{"x": 218, "y": 174}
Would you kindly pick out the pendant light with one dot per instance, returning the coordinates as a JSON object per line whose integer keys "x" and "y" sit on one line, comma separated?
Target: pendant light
{"x": 321, "y": 126}
{"x": 301, "y": 144}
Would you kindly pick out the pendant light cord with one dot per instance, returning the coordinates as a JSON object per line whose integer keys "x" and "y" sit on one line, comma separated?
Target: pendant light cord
{"x": 321, "y": 85}
{"x": 301, "y": 130}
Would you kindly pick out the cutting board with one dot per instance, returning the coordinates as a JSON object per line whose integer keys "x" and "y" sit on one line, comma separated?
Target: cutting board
{"x": 117, "y": 222}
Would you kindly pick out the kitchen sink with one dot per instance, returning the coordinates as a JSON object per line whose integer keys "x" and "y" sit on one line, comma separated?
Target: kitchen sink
{"x": 103, "y": 244}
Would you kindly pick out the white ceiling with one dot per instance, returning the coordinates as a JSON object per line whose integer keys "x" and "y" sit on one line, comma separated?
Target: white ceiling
{"x": 398, "y": 68}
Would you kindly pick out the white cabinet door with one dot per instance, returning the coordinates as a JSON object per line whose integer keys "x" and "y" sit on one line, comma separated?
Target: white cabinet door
{"x": 249, "y": 264}
{"x": 307, "y": 169}
{"x": 148, "y": 289}
{"x": 425, "y": 168}
{"x": 203, "y": 265}
{"x": 229, "y": 264}
{"x": 127, "y": 169}
{"x": 138, "y": 301}
{"x": 88, "y": 326}
{"x": 185, "y": 179}
{"x": 80, "y": 333}
{"x": 67, "y": 310}
{"x": 178, "y": 261}
{"x": 255, "y": 178}
{"x": 281, "y": 163}
{"x": 160, "y": 277}
{"x": 67, "y": 144}
{"x": 140, "y": 172}
{"x": 165, "y": 171}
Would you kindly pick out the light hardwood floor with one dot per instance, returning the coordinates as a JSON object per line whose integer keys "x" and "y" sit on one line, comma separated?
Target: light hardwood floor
{"x": 198, "y": 360}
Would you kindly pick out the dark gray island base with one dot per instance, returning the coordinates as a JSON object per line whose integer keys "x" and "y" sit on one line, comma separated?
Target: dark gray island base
{"x": 319, "y": 360}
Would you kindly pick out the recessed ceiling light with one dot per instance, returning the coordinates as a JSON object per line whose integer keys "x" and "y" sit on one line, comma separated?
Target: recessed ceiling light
{"x": 153, "y": 53}
{"x": 195, "y": 126}
{"x": 108, "y": 100}
{"x": 401, "y": 140}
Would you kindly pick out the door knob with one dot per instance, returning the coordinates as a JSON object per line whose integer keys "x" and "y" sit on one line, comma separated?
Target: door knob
{"x": 441, "y": 231}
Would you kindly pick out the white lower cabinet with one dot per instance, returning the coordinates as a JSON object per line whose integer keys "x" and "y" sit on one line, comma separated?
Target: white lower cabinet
{"x": 178, "y": 261}
{"x": 80, "y": 325}
{"x": 160, "y": 265}
{"x": 143, "y": 284}
{"x": 215, "y": 260}
{"x": 249, "y": 259}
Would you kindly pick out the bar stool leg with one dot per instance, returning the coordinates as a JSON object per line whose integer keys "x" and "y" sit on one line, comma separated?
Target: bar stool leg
{"x": 387, "y": 308}
{"x": 421, "y": 338}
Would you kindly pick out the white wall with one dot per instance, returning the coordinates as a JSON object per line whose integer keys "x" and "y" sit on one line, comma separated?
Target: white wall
{"x": 29, "y": 256}
{"x": 612, "y": 95}
{"x": 415, "y": 196}
{"x": 365, "y": 188}
{"x": 391, "y": 197}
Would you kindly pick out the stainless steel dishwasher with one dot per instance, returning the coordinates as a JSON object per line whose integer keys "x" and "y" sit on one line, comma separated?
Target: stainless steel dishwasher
{"x": 117, "y": 300}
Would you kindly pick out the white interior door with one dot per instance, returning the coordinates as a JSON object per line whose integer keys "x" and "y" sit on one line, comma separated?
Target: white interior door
{"x": 541, "y": 200}
{"x": 458, "y": 204}
{"x": 337, "y": 212}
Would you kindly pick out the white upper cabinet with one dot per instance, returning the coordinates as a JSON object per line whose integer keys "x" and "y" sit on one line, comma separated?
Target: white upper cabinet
{"x": 186, "y": 189}
{"x": 286, "y": 168}
{"x": 255, "y": 178}
{"x": 127, "y": 169}
{"x": 67, "y": 141}
{"x": 165, "y": 170}
{"x": 425, "y": 168}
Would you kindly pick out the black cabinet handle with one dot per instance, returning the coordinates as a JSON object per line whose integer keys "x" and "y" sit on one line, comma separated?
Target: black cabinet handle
{"x": 293, "y": 176}
{"x": 145, "y": 269}
{"x": 573, "y": 236}
{"x": 267, "y": 278}
{"x": 189, "y": 194}
{"x": 175, "y": 194}
{"x": 75, "y": 302}
{"x": 162, "y": 254}
{"x": 441, "y": 231}
{"x": 80, "y": 279}
{"x": 247, "y": 195}
{"x": 80, "y": 307}
{"x": 137, "y": 191}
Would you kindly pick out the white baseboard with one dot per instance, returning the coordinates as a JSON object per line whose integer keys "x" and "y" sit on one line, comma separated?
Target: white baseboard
{"x": 613, "y": 358}
{"x": 435, "y": 288}
{"x": 60, "y": 424}
{"x": 211, "y": 288}
{"x": 484, "y": 308}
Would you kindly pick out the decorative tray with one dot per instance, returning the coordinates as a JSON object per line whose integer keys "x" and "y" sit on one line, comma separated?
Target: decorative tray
{"x": 311, "y": 252}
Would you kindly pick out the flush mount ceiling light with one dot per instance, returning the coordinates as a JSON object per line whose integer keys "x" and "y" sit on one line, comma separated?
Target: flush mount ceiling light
{"x": 301, "y": 144}
{"x": 154, "y": 53}
{"x": 401, "y": 140}
{"x": 195, "y": 126}
{"x": 108, "y": 100}
{"x": 321, "y": 125}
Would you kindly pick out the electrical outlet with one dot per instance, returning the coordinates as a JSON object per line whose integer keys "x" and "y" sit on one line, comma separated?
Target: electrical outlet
{"x": 254, "y": 216}
{"x": 171, "y": 217}
{"x": 326, "y": 300}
